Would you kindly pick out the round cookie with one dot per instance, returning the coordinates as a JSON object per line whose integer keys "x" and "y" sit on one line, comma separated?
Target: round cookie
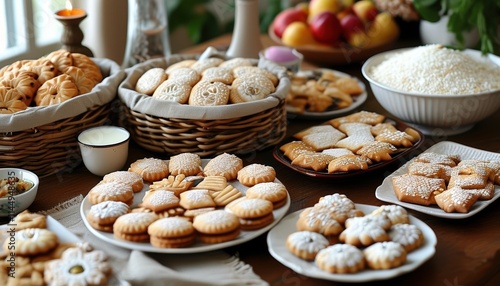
{"x": 225, "y": 164}
{"x": 83, "y": 83}
{"x": 253, "y": 213}
{"x": 396, "y": 214}
{"x": 256, "y": 173}
{"x": 90, "y": 68}
{"x": 243, "y": 70}
{"x": 62, "y": 59}
{"x": 126, "y": 177}
{"x": 32, "y": 241}
{"x": 250, "y": 87}
{"x": 340, "y": 206}
{"x": 321, "y": 221}
{"x": 217, "y": 226}
{"x": 408, "y": 235}
{"x": 26, "y": 219}
{"x": 385, "y": 255}
{"x": 160, "y": 200}
{"x": 201, "y": 65}
{"x": 365, "y": 230}
{"x": 188, "y": 164}
{"x": 151, "y": 169}
{"x": 11, "y": 101}
{"x": 306, "y": 244}
{"x": 24, "y": 82}
{"x": 103, "y": 215}
{"x": 56, "y": 90}
{"x": 173, "y": 90}
{"x": 181, "y": 64}
{"x": 150, "y": 80}
{"x": 206, "y": 93}
{"x": 274, "y": 192}
{"x": 221, "y": 74}
{"x": 236, "y": 62}
{"x": 44, "y": 68}
{"x": 171, "y": 232}
{"x": 111, "y": 191}
{"x": 187, "y": 75}
{"x": 341, "y": 259}
{"x": 133, "y": 226}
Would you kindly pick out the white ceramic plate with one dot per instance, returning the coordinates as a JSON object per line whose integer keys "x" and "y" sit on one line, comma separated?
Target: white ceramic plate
{"x": 198, "y": 246}
{"x": 357, "y": 101}
{"x": 385, "y": 192}
{"x": 278, "y": 235}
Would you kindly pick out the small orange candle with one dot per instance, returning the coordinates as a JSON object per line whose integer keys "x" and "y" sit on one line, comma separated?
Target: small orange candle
{"x": 70, "y": 11}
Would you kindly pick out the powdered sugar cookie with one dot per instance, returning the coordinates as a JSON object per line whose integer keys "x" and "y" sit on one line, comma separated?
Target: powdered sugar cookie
{"x": 225, "y": 164}
{"x": 250, "y": 87}
{"x": 188, "y": 164}
{"x": 256, "y": 173}
{"x": 217, "y": 226}
{"x": 194, "y": 199}
{"x": 111, "y": 191}
{"x": 201, "y": 65}
{"x": 103, "y": 215}
{"x": 340, "y": 258}
{"x": 150, "y": 80}
{"x": 365, "y": 230}
{"x": 126, "y": 177}
{"x": 254, "y": 213}
{"x": 206, "y": 93}
{"x": 187, "y": 75}
{"x": 274, "y": 192}
{"x": 182, "y": 64}
{"x": 245, "y": 70}
{"x": 171, "y": 232}
{"x": 133, "y": 226}
{"x": 236, "y": 62}
{"x": 160, "y": 200}
{"x": 221, "y": 74}
{"x": 32, "y": 241}
{"x": 173, "y": 90}
{"x": 385, "y": 255}
{"x": 306, "y": 244}
{"x": 150, "y": 169}
{"x": 408, "y": 235}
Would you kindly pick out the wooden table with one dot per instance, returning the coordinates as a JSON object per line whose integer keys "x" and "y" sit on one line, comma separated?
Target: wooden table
{"x": 468, "y": 250}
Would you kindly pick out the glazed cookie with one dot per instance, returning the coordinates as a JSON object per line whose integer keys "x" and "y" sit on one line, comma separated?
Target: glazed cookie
{"x": 256, "y": 173}
{"x": 206, "y": 93}
{"x": 225, "y": 164}
{"x": 150, "y": 80}
{"x": 111, "y": 191}
{"x": 133, "y": 226}
{"x": 217, "y": 226}
{"x": 408, "y": 235}
{"x": 32, "y": 241}
{"x": 221, "y": 74}
{"x": 306, "y": 244}
{"x": 56, "y": 90}
{"x": 26, "y": 219}
{"x": 171, "y": 232}
{"x": 103, "y": 215}
{"x": 253, "y": 213}
{"x": 150, "y": 169}
{"x": 341, "y": 259}
{"x": 127, "y": 178}
{"x": 385, "y": 255}
{"x": 250, "y": 87}
{"x": 274, "y": 192}
{"x": 173, "y": 90}
{"x": 188, "y": 164}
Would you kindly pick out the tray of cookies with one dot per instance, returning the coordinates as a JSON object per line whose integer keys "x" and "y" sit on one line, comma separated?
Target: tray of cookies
{"x": 323, "y": 94}
{"x": 348, "y": 146}
{"x": 205, "y": 104}
{"x": 185, "y": 204}
{"x": 361, "y": 243}
{"x": 46, "y": 102}
{"x": 448, "y": 180}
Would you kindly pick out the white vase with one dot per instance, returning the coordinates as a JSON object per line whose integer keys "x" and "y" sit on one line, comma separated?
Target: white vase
{"x": 437, "y": 33}
{"x": 246, "y": 41}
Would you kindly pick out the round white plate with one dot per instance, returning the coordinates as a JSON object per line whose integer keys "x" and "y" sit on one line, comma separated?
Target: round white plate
{"x": 278, "y": 235}
{"x": 358, "y": 100}
{"x": 198, "y": 246}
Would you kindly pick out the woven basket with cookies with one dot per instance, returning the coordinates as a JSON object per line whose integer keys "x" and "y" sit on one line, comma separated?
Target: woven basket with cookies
{"x": 46, "y": 102}
{"x": 207, "y": 105}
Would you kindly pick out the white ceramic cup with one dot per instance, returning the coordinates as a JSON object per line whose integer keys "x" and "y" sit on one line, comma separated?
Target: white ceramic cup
{"x": 104, "y": 149}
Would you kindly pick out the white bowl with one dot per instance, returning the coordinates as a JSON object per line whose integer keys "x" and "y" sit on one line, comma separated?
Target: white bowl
{"x": 12, "y": 205}
{"x": 433, "y": 114}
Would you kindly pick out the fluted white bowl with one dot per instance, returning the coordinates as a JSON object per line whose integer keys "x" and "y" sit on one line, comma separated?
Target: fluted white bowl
{"x": 433, "y": 114}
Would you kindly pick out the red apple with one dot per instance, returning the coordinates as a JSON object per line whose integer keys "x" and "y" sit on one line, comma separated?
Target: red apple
{"x": 351, "y": 24}
{"x": 287, "y": 16}
{"x": 326, "y": 28}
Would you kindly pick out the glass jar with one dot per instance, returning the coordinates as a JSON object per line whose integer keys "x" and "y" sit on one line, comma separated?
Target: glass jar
{"x": 147, "y": 34}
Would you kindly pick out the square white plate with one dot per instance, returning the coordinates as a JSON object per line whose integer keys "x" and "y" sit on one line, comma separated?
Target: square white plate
{"x": 385, "y": 192}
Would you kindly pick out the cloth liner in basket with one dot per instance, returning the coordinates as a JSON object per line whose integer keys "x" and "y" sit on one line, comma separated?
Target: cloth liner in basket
{"x": 169, "y": 127}
{"x": 43, "y": 139}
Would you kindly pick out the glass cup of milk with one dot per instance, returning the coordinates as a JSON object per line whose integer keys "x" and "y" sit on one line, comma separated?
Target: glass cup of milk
{"x": 104, "y": 149}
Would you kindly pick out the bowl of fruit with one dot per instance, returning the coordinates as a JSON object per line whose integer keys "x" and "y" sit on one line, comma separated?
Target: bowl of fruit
{"x": 335, "y": 32}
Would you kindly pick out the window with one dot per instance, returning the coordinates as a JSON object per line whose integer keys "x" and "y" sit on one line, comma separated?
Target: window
{"x": 28, "y": 29}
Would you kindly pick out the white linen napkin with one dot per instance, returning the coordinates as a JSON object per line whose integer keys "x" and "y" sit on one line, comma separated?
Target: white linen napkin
{"x": 138, "y": 268}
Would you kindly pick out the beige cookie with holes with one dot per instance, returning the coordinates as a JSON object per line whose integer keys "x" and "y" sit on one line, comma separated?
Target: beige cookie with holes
{"x": 250, "y": 87}
{"x": 150, "y": 80}
{"x": 206, "y": 93}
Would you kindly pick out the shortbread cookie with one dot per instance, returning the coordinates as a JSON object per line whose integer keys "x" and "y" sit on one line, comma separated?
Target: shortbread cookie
{"x": 472, "y": 181}
{"x": 377, "y": 151}
{"x": 176, "y": 184}
{"x": 236, "y": 62}
{"x": 444, "y": 159}
{"x": 171, "y": 232}
{"x": 323, "y": 140}
{"x": 396, "y": 138}
{"x": 187, "y": 75}
{"x": 182, "y": 64}
{"x": 126, "y": 177}
{"x": 256, "y": 173}
{"x": 217, "y": 226}
{"x": 160, "y": 200}
{"x": 339, "y": 206}
{"x": 221, "y": 74}
{"x": 355, "y": 128}
{"x": 191, "y": 214}
{"x": 319, "y": 220}
{"x": 337, "y": 152}
{"x": 315, "y": 161}
{"x": 31, "y": 241}
{"x": 382, "y": 127}
{"x": 485, "y": 193}
{"x": 314, "y": 129}
{"x": 408, "y": 235}
{"x": 212, "y": 183}
{"x": 250, "y": 87}
{"x": 173, "y": 90}
{"x": 274, "y": 192}
{"x": 243, "y": 70}
{"x": 385, "y": 255}
{"x": 348, "y": 163}
{"x": 367, "y": 117}
{"x": 27, "y": 219}
{"x": 150, "y": 169}
{"x": 253, "y": 213}
{"x": 206, "y": 93}
{"x": 133, "y": 226}
{"x": 341, "y": 259}
{"x": 355, "y": 142}
{"x": 188, "y": 164}
{"x": 111, "y": 191}
{"x": 150, "y": 80}
{"x": 103, "y": 215}
{"x": 417, "y": 189}
{"x": 306, "y": 244}
{"x": 430, "y": 170}
{"x": 227, "y": 195}
{"x": 293, "y": 149}
{"x": 225, "y": 164}
{"x": 202, "y": 65}
{"x": 365, "y": 230}
{"x": 195, "y": 199}
{"x": 396, "y": 214}
{"x": 456, "y": 200}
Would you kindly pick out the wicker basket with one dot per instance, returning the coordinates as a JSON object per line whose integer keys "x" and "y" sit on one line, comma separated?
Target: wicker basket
{"x": 172, "y": 128}
{"x": 43, "y": 139}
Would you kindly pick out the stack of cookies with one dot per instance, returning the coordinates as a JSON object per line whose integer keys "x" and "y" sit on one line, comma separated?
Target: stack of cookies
{"x": 208, "y": 82}
{"x": 55, "y": 78}
{"x": 348, "y": 143}
{"x": 454, "y": 185}
{"x": 342, "y": 239}
{"x": 33, "y": 255}
{"x": 183, "y": 202}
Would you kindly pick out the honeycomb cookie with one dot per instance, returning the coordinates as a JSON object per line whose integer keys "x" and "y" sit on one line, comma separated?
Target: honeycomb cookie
{"x": 217, "y": 226}
{"x": 171, "y": 232}
{"x": 32, "y": 241}
{"x": 150, "y": 169}
{"x": 250, "y": 87}
{"x": 56, "y": 90}
{"x": 150, "y": 80}
{"x": 173, "y": 90}
{"x": 206, "y": 93}
{"x": 78, "y": 266}
{"x": 253, "y": 174}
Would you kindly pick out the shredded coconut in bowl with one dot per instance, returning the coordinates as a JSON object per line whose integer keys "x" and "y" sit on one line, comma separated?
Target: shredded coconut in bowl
{"x": 434, "y": 69}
